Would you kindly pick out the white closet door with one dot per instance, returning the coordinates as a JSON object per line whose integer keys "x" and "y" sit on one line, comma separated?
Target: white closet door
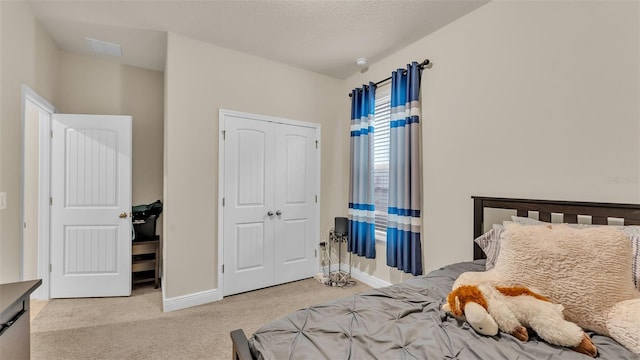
{"x": 249, "y": 167}
{"x": 270, "y": 210}
{"x": 295, "y": 199}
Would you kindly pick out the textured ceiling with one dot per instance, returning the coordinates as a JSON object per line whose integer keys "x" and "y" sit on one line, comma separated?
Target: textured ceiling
{"x": 321, "y": 36}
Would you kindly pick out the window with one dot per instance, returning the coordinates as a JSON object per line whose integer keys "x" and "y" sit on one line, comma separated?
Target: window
{"x": 381, "y": 160}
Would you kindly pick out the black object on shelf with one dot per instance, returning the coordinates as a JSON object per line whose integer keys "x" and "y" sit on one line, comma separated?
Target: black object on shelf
{"x": 141, "y": 212}
{"x": 146, "y": 250}
{"x": 341, "y": 227}
{"x": 144, "y": 220}
{"x": 145, "y": 230}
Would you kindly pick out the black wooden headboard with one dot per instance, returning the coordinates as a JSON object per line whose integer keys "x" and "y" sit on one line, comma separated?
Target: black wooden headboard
{"x": 599, "y": 212}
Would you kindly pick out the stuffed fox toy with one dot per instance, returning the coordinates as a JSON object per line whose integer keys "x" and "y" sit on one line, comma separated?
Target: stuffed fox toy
{"x": 514, "y": 309}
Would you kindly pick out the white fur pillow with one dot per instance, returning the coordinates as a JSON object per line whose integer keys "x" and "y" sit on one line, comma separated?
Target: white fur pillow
{"x": 623, "y": 324}
{"x": 586, "y": 270}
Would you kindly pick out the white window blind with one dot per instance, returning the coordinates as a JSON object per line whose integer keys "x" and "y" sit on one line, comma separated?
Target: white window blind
{"x": 381, "y": 160}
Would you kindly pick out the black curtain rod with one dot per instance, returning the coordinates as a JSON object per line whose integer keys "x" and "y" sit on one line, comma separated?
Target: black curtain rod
{"x": 422, "y": 66}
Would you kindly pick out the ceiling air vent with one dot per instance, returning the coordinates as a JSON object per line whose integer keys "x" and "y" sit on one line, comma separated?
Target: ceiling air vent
{"x": 103, "y": 47}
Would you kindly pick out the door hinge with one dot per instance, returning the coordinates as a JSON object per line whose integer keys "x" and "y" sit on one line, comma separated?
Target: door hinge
{"x": 24, "y": 225}
{"x": 315, "y": 253}
{"x": 224, "y": 134}
{"x": 51, "y": 201}
{"x": 222, "y": 201}
{"x": 316, "y": 199}
{"x": 223, "y": 268}
{"x": 50, "y": 267}
{"x": 316, "y": 144}
{"x": 52, "y": 134}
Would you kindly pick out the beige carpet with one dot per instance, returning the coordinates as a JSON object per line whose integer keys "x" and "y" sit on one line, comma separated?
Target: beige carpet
{"x": 136, "y": 328}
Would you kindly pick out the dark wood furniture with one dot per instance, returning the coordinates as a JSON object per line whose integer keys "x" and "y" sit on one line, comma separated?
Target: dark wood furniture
{"x": 146, "y": 252}
{"x": 599, "y": 212}
{"x": 145, "y": 262}
{"x": 241, "y": 349}
{"x": 15, "y": 334}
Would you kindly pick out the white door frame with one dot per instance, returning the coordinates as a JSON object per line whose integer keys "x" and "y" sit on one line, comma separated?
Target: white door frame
{"x": 221, "y": 156}
{"x": 44, "y": 188}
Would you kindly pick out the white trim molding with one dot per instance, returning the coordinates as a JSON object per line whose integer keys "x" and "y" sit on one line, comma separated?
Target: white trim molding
{"x": 359, "y": 275}
{"x": 44, "y": 160}
{"x": 370, "y": 280}
{"x": 190, "y": 300}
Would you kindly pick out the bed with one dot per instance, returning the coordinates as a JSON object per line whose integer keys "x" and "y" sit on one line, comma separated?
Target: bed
{"x": 405, "y": 321}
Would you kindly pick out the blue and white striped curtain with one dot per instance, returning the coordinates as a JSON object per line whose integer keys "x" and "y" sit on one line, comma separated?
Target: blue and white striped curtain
{"x": 362, "y": 239}
{"x": 404, "y": 249}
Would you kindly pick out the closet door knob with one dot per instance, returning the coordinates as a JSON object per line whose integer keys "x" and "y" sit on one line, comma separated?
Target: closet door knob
{"x": 278, "y": 212}
{"x": 270, "y": 213}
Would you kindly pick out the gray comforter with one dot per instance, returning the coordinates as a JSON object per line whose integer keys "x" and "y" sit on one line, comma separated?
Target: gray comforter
{"x": 402, "y": 321}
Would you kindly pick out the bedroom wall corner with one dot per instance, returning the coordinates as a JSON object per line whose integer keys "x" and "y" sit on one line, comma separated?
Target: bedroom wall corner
{"x": 29, "y": 56}
{"x": 201, "y": 79}
{"x": 89, "y": 85}
{"x": 526, "y": 100}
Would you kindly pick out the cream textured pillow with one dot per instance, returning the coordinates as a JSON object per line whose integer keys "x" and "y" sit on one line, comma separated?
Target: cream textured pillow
{"x": 632, "y": 232}
{"x": 586, "y": 270}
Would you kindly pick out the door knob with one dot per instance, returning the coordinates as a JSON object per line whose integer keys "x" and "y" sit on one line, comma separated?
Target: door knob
{"x": 123, "y": 215}
{"x": 269, "y": 213}
{"x": 278, "y": 212}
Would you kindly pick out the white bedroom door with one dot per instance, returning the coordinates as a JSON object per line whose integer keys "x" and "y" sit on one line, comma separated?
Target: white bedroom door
{"x": 270, "y": 203}
{"x": 90, "y": 206}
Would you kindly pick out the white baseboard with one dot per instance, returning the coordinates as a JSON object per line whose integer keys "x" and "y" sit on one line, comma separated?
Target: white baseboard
{"x": 370, "y": 280}
{"x": 190, "y": 300}
{"x": 208, "y": 296}
{"x": 359, "y": 275}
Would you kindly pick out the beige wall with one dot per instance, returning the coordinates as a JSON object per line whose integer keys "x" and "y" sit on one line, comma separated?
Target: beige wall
{"x": 94, "y": 86}
{"x": 29, "y": 57}
{"x": 525, "y": 99}
{"x": 200, "y": 80}
{"x": 75, "y": 84}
